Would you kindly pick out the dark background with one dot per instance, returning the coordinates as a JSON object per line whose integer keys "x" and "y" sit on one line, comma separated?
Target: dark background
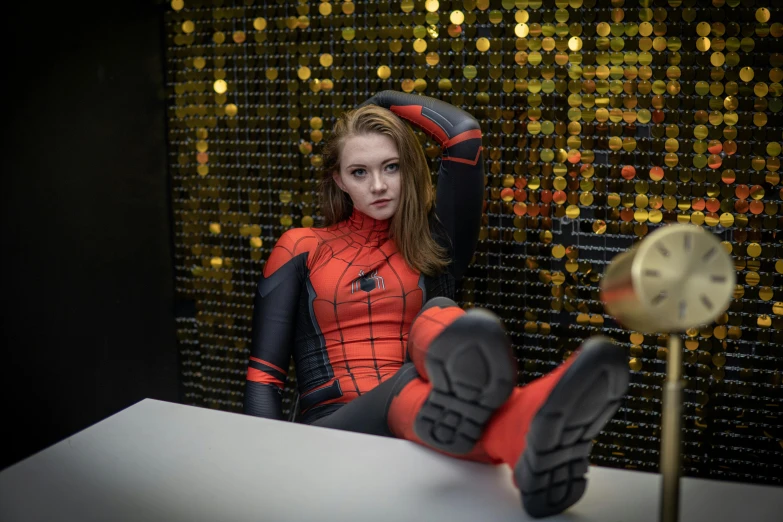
{"x": 88, "y": 321}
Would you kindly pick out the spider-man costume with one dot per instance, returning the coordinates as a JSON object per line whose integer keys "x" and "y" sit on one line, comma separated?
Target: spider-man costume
{"x": 381, "y": 349}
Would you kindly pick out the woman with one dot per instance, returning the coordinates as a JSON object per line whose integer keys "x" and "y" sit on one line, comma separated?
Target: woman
{"x": 365, "y": 306}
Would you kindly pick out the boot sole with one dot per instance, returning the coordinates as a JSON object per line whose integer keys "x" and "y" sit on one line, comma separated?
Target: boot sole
{"x": 550, "y": 472}
{"x": 472, "y": 372}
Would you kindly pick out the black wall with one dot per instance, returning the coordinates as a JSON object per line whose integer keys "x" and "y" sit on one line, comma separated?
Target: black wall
{"x": 87, "y": 325}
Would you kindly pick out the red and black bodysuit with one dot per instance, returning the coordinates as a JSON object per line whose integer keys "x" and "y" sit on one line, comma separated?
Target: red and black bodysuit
{"x": 341, "y": 299}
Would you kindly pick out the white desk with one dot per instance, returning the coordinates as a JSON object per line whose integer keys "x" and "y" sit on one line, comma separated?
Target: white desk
{"x": 169, "y": 462}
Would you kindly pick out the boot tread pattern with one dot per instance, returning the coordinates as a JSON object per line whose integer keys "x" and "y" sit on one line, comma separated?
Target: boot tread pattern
{"x": 472, "y": 373}
{"x": 550, "y": 474}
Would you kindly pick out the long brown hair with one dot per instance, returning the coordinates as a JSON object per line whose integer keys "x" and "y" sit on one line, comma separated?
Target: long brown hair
{"x": 409, "y": 227}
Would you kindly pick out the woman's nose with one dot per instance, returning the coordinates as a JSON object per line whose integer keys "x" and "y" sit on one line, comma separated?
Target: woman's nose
{"x": 378, "y": 184}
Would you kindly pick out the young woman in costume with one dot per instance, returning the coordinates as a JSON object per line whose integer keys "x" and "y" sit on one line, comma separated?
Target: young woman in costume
{"x": 365, "y": 306}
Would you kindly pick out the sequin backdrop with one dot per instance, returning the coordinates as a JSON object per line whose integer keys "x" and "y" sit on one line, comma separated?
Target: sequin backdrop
{"x": 602, "y": 120}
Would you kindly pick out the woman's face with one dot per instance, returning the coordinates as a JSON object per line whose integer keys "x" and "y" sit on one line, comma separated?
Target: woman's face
{"x": 370, "y": 174}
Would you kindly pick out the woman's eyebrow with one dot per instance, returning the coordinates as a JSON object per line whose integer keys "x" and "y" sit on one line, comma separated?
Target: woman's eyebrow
{"x": 352, "y": 165}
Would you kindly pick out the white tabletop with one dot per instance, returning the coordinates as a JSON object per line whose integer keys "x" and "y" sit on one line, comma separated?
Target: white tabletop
{"x": 170, "y": 462}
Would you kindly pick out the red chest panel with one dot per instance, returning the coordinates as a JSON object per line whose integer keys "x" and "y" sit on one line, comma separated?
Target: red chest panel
{"x": 366, "y": 298}
{"x": 363, "y": 298}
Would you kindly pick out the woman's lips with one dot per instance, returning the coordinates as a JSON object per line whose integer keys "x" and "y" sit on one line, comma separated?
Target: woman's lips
{"x": 381, "y": 203}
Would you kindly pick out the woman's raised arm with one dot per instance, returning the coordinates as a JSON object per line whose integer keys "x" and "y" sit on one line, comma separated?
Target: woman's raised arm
{"x": 460, "y": 193}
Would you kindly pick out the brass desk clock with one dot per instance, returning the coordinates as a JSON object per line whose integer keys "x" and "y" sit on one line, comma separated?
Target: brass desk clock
{"x": 678, "y": 278}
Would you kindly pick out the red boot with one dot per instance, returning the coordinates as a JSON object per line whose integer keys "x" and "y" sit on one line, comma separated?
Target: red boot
{"x": 544, "y": 430}
{"x": 467, "y": 371}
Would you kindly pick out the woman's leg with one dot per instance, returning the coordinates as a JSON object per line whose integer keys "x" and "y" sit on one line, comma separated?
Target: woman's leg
{"x": 455, "y": 398}
{"x": 368, "y": 412}
{"x": 463, "y": 359}
{"x": 467, "y": 367}
{"x": 544, "y": 430}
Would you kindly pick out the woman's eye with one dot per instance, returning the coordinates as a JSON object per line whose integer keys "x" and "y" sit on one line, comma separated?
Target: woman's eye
{"x": 358, "y": 173}
{"x": 393, "y": 166}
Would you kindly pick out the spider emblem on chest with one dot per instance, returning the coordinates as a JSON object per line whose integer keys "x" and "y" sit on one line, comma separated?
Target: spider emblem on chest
{"x": 367, "y": 282}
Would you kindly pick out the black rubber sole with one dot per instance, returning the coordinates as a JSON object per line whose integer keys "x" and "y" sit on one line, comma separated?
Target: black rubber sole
{"x": 550, "y": 472}
{"x": 473, "y": 372}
